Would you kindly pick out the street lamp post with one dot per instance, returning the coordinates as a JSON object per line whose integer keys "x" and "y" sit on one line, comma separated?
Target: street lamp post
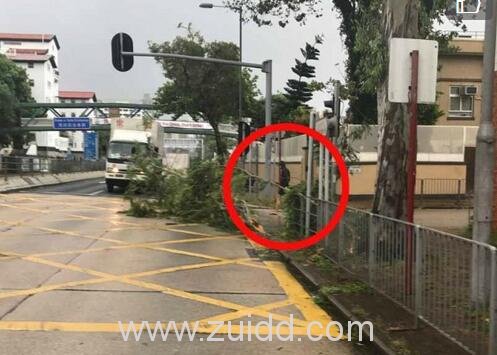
{"x": 240, "y": 85}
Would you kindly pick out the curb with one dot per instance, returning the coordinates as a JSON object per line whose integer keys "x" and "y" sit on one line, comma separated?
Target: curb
{"x": 56, "y": 179}
{"x": 337, "y": 306}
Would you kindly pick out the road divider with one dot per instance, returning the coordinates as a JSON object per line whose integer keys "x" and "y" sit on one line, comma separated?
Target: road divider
{"x": 17, "y": 182}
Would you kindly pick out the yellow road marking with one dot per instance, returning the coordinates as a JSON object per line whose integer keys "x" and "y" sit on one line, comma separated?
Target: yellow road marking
{"x": 116, "y": 241}
{"x": 24, "y": 208}
{"x": 297, "y": 294}
{"x": 54, "y": 287}
{"x": 41, "y": 289}
{"x": 184, "y": 268}
{"x": 156, "y": 287}
{"x": 243, "y": 313}
{"x": 114, "y": 328}
{"x": 128, "y": 246}
{"x": 208, "y": 300}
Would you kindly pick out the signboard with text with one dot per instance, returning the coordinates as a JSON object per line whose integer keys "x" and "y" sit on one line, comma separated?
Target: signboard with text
{"x": 71, "y": 123}
{"x": 91, "y": 146}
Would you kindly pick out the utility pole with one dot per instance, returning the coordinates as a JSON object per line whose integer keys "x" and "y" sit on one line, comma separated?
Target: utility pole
{"x": 484, "y": 162}
{"x": 240, "y": 33}
{"x": 240, "y": 83}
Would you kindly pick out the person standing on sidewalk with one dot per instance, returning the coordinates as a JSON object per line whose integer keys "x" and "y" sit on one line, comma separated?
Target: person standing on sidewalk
{"x": 283, "y": 182}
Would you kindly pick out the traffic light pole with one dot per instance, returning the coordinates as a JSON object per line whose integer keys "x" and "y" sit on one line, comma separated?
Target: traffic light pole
{"x": 266, "y": 67}
{"x": 338, "y": 107}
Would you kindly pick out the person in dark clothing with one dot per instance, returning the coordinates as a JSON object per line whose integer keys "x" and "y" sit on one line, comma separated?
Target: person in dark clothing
{"x": 284, "y": 177}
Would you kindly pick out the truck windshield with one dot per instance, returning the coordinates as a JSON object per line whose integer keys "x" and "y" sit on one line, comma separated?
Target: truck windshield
{"x": 124, "y": 150}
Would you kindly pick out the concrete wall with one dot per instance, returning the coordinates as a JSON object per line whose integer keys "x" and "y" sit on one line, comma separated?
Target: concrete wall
{"x": 438, "y": 178}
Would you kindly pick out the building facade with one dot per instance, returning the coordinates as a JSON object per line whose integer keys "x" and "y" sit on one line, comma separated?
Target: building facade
{"x": 77, "y": 97}
{"x": 38, "y": 54}
{"x": 459, "y": 83}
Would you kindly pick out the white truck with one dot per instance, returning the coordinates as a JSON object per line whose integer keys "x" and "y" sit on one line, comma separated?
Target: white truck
{"x": 126, "y": 136}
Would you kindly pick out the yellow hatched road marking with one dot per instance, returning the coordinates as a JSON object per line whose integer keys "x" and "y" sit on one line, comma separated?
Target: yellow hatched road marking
{"x": 128, "y": 246}
{"x": 296, "y": 294}
{"x": 114, "y": 328}
{"x": 243, "y": 313}
{"x": 54, "y": 287}
{"x": 159, "y": 288}
{"x": 123, "y": 243}
{"x": 25, "y": 208}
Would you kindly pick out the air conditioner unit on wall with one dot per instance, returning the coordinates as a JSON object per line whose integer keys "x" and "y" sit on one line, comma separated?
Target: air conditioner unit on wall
{"x": 470, "y": 90}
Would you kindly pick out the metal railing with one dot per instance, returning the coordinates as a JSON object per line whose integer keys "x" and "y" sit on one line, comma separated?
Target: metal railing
{"x": 10, "y": 165}
{"x": 441, "y": 187}
{"x": 443, "y": 280}
{"x": 466, "y": 34}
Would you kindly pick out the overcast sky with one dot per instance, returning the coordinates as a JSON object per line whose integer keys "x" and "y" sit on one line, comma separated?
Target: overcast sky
{"x": 84, "y": 30}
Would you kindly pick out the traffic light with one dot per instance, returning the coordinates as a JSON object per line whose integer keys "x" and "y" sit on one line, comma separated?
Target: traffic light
{"x": 331, "y": 105}
{"x": 333, "y": 117}
{"x": 332, "y": 126}
{"x": 122, "y": 42}
{"x": 244, "y": 131}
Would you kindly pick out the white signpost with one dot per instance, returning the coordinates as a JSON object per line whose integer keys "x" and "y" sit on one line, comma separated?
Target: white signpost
{"x": 400, "y": 70}
{"x": 412, "y": 80}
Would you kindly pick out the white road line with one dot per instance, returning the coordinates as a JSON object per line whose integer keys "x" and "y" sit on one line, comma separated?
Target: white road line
{"x": 96, "y": 193}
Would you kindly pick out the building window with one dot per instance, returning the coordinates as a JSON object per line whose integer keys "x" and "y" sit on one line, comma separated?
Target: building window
{"x": 31, "y": 65}
{"x": 31, "y": 82}
{"x": 460, "y": 104}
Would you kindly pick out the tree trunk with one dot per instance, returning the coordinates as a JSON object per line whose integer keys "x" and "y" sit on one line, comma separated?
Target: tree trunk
{"x": 400, "y": 19}
{"x": 221, "y": 148}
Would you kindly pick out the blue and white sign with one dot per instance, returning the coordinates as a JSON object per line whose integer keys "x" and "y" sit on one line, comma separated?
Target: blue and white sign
{"x": 91, "y": 145}
{"x": 71, "y": 123}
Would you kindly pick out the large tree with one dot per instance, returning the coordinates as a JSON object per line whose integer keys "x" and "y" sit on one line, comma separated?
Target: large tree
{"x": 367, "y": 26}
{"x": 203, "y": 90}
{"x": 291, "y": 106}
{"x": 14, "y": 89}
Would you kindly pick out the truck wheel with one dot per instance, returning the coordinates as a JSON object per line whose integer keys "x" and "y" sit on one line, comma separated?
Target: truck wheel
{"x": 110, "y": 187}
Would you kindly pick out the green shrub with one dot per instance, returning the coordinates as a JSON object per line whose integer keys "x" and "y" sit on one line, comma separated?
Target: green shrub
{"x": 292, "y": 204}
{"x": 193, "y": 197}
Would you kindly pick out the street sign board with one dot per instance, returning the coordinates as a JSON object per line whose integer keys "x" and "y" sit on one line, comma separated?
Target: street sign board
{"x": 91, "y": 146}
{"x": 185, "y": 125}
{"x": 71, "y": 123}
{"x": 399, "y": 76}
